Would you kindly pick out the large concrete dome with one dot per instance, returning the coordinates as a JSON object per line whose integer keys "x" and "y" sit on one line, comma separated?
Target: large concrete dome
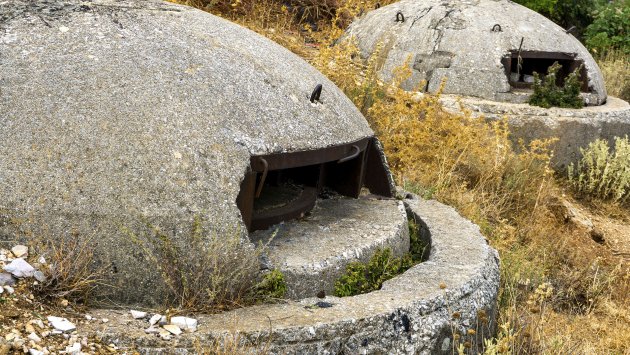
{"x": 475, "y": 45}
{"x": 117, "y": 111}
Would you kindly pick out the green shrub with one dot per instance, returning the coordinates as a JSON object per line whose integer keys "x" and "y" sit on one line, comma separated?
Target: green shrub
{"x": 272, "y": 285}
{"x": 602, "y": 173}
{"x": 610, "y": 29}
{"x": 363, "y": 278}
{"x": 566, "y": 13}
{"x": 418, "y": 249}
{"x": 547, "y": 93}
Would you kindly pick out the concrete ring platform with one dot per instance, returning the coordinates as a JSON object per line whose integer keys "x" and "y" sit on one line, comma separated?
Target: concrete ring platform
{"x": 313, "y": 252}
{"x": 574, "y": 128}
{"x": 412, "y": 313}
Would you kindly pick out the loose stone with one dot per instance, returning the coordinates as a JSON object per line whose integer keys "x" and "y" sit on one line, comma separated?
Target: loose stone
{"x": 138, "y": 314}
{"x": 20, "y": 251}
{"x": 19, "y": 268}
{"x": 185, "y": 323}
{"x": 74, "y": 349}
{"x": 173, "y": 329}
{"x": 39, "y": 276}
{"x": 34, "y": 337}
{"x": 155, "y": 318}
{"x": 61, "y": 324}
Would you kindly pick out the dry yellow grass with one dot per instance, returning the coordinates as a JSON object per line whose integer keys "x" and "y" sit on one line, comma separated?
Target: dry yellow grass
{"x": 560, "y": 291}
{"x": 615, "y": 66}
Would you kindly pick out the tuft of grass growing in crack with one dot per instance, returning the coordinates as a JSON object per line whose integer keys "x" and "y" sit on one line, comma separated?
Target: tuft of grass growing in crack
{"x": 70, "y": 271}
{"x": 362, "y": 278}
{"x": 206, "y": 272}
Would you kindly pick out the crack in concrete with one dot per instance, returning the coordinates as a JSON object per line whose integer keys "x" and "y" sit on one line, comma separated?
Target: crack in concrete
{"x": 422, "y": 14}
{"x": 438, "y": 30}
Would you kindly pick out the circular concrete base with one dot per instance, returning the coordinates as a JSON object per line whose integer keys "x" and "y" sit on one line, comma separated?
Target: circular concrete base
{"x": 314, "y": 251}
{"x": 574, "y": 128}
{"x": 412, "y": 313}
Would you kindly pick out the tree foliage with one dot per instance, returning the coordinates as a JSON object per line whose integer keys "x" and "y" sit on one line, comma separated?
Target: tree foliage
{"x": 610, "y": 29}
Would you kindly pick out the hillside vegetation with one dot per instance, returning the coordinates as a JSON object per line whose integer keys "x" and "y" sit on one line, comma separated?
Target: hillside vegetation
{"x": 564, "y": 252}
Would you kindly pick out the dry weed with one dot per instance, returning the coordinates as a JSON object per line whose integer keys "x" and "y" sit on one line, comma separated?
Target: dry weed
{"x": 204, "y": 272}
{"x": 615, "y": 66}
{"x": 70, "y": 269}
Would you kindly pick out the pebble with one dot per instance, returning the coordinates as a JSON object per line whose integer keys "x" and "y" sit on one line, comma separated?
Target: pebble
{"x": 39, "y": 276}
{"x": 165, "y": 334}
{"x": 151, "y": 330}
{"x": 104, "y": 320}
{"x": 34, "y": 337}
{"x": 9, "y": 289}
{"x": 74, "y": 349}
{"x": 138, "y": 314}
{"x": 88, "y": 317}
{"x": 19, "y": 268}
{"x": 61, "y": 324}
{"x": 156, "y": 318}
{"x": 39, "y": 323}
{"x": 35, "y": 352}
{"x": 188, "y": 324}
{"x": 173, "y": 329}
{"x": 6, "y": 279}
{"x": 20, "y": 251}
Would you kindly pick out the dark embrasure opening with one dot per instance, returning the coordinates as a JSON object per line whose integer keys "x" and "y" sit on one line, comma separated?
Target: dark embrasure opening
{"x": 281, "y": 187}
{"x": 539, "y": 62}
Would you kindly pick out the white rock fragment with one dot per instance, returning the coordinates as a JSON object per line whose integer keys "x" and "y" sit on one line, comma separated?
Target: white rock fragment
{"x": 39, "y": 323}
{"x": 1, "y": 290}
{"x": 41, "y": 260}
{"x": 9, "y": 289}
{"x": 39, "y": 276}
{"x": 20, "y": 268}
{"x": 185, "y": 323}
{"x": 61, "y": 324}
{"x": 165, "y": 334}
{"x": 138, "y": 314}
{"x": 151, "y": 330}
{"x": 173, "y": 329}
{"x": 34, "y": 337}
{"x": 156, "y": 318}
{"x": 64, "y": 29}
{"x": 74, "y": 349}
{"x": 20, "y": 251}
{"x": 35, "y": 352}
{"x": 104, "y": 320}
{"x": 88, "y": 317}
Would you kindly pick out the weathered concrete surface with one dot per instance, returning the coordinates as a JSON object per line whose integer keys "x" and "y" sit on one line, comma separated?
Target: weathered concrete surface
{"x": 411, "y": 314}
{"x": 454, "y": 39}
{"x": 112, "y": 111}
{"x": 574, "y": 128}
{"x": 313, "y": 252}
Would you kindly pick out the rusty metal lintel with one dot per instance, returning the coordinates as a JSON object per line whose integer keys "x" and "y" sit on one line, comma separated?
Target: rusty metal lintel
{"x": 305, "y": 158}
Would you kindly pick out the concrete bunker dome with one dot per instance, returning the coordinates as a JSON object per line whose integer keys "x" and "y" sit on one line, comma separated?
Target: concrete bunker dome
{"x": 476, "y": 46}
{"x": 115, "y": 112}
